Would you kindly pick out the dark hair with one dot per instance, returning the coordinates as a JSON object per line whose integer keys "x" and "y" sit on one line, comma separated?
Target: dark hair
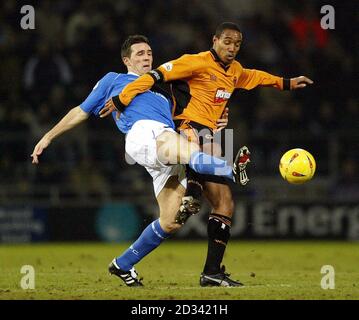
{"x": 224, "y": 26}
{"x": 126, "y": 46}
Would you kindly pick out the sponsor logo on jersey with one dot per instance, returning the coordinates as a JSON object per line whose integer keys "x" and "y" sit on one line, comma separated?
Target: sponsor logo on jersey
{"x": 221, "y": 95}
{"x": 168, "y": 66}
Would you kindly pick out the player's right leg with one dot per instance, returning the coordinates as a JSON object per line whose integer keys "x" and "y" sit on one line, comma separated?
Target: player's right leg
{"x": 172, "y": 148}
{"x": 156, "y": 145}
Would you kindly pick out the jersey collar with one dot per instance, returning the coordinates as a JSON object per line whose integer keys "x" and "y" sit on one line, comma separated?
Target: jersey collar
{"x": 132, "y": 73}
{"x": 217, "y": 59}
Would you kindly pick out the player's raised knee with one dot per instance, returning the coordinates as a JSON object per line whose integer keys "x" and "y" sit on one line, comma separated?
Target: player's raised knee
{"x": 170, "y": 227}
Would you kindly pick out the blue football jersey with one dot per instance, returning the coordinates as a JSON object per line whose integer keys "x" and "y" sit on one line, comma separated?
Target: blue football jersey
{"x": 149, "y": 105}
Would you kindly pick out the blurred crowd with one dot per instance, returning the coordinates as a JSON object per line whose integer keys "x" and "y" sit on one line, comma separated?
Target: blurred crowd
{"x": 48, "y": 70}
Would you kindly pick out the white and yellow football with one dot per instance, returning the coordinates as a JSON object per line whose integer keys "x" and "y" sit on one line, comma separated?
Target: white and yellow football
{"x": 297, "y": 166}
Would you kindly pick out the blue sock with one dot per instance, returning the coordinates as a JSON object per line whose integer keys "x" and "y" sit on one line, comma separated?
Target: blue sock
{"x": 205, "y": 164}
{"x": 149, "y": 240}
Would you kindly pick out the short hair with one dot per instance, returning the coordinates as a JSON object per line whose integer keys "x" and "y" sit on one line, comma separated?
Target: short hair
{"x": 126, "y": 46}
{"x": 225, "y": 26}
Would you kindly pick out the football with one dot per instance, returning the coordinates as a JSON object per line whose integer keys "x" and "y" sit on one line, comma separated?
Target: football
{"x": 297, "y": 166}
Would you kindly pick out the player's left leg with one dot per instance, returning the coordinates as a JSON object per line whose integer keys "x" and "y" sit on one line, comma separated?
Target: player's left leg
{"x": 154, "y": 234}
{"x": 218, "y": 228}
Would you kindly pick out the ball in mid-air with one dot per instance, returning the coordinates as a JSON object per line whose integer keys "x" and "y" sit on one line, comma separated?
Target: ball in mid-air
{"x": 297, "y": 166}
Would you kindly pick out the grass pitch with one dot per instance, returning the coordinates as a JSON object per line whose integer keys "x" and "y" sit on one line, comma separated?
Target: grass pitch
{"x": 269, "y": 270}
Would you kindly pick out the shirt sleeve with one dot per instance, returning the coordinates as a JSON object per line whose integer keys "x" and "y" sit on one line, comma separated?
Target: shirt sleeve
{"x": 251, "y": 78}
{"x": 180, "y": 68}
{"x": 97, "y": 98}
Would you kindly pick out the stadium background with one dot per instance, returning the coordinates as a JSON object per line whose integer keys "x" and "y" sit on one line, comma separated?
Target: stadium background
{"x": 84, "y": 190}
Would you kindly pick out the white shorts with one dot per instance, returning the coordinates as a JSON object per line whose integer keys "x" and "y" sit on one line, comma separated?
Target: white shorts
{"x": 141, "y": 147}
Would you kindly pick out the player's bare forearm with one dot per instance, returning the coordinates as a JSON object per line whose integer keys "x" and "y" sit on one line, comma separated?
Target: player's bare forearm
{"x": 74, "y": 117}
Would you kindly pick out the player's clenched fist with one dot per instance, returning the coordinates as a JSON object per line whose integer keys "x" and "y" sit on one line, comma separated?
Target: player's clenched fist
{"x": 109, "y": 108}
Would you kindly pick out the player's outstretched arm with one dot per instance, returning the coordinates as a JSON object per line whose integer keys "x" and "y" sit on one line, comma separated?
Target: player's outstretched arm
{"x": 74, "y": 117}
{"x": 299, "y": 82}
{"x": 251, "y": 78}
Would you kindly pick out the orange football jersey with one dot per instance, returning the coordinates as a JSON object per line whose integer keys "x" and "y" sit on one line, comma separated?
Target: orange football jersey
{"x": 202, "y": 85}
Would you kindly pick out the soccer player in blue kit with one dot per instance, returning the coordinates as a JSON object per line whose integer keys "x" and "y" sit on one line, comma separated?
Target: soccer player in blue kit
{"x": 151, "y": 140}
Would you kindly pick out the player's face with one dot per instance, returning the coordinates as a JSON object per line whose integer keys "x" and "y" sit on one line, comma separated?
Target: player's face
{"x": 227, "y": 45}
{"x": 140, "y": 61}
